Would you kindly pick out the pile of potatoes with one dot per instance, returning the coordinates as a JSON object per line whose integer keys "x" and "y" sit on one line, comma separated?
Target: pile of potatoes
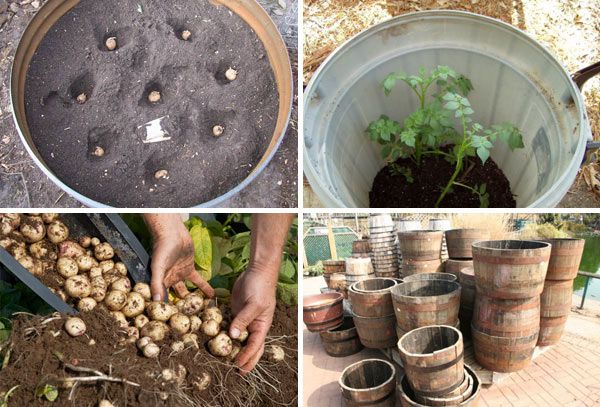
{"x": 90, "y": 278}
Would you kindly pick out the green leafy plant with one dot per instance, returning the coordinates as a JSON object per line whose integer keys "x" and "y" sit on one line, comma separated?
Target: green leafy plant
{"x": 442, "y": 95}
{"x": 480, "y": 191}
{"x": 47, "y": 391}
{"x": 396, "y": 169}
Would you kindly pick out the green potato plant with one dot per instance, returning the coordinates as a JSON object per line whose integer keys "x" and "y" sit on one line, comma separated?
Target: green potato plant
{"x": 431, "y": 129}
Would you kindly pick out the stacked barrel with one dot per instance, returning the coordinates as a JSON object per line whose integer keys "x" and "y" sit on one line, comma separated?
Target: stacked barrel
{"x": 421, "y": 251}
{"x": 373, "y": 312}
{"x": 442, "y": 225}
{"x": 558, "y": 287}
{"x": 460, "y": 264}
{"x": 331, "y": 267}
{"x": 509, "y": 278}
{"x": 358, "y": 269}
{"x": 361, "y": 248}
{"x": 434, "y": 371}
{"x": 384, "y": 247}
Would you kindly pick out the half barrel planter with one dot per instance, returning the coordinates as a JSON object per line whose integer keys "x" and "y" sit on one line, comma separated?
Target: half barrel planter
{"x": 369, "y": 382}
{"x": 323, "y": 311}
{"x": 428, "y": 302}
{"x": 466, "y": 279}
{"x": 432, "y": 357}
{"x": 342, "y": 340}
{"x": 410, "y": 267}
{"x": 510, "y": 269}
{"x": 564, "y": 258}
{"x": 358, "y": 269}
{"x": 470, "y": 397}
{"x": 429, "y": 276}
{"x": 373, "y": 312}
{"x": 331, "y": 267}
{"x": 421, "y": 245}
{"x": 505, "y": 332}
{"x": 460, "y": 241}
{"x": 555, "y": 307}
{"x": 454, "y": 266}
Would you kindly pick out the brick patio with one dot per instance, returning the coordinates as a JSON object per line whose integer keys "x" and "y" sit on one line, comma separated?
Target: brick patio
{"x": 568, "y": 374}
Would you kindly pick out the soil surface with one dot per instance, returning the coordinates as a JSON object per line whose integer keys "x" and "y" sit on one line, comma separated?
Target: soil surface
{"x": 393, "y": 191}
{"x": 195, "y": 96}
{"x": 34, "y": 362}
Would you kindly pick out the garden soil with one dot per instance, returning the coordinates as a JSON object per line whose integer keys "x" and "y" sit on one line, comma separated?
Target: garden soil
{"x": 196, "y": 96}
{"x": 35, "y": 361}
{"x": 393, "y": 191}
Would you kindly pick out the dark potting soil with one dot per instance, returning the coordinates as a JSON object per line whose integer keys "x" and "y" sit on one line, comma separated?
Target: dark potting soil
{"x": 34, "y": 362}
{"x": 195, "y": 97}
{"x": 393, "y": 191}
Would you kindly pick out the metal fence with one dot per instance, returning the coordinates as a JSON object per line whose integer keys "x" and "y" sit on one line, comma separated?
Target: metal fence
{"x": 317, "y": 248}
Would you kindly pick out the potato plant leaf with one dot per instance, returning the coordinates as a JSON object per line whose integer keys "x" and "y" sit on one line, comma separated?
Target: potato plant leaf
{"x": 202, "y": 250}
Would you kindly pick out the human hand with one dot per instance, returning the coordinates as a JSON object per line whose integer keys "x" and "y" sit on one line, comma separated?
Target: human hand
{"x": 173, "y": 258}
{"x": 253, "y": 304}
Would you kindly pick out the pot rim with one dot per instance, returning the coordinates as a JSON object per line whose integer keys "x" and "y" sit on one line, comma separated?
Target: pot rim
{"x": 480, "y": 245}
{"x": 459, "y": 340}
{"x": 370, "y": 389}
{"x": 329, "y": 200}
{"x": 266, "y": 158}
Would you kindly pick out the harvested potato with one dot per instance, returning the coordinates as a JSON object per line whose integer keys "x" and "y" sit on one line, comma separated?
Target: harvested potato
{"x": 98, "y": 288}
{"x": 243, "y": 336}
{"x": 120, "y": 268}
{"x": 57, "y": 232}
{"x": 142, "y": 342}
{"x": 155, "y": 330}
{"x": 134, "y": 305}
{"x": 234, "y": 352}
{"x": 121, "y": 284}
{"x": 140, "y": 321}
{"x": 180, "y": 374}
{"x": 49, "y": 217}
{"x": 151, "y": 350}
{"x": 5, "y": 228}
{"x": 106, "y": 265}
{"x": 43, "y": 249}
{"x": 75, "y": 326}
{"x": 144, "y": 290}
{"x": 34, "y": 266}
{"x": 18, "y": 252}
{"x": 111, "y": 43}
{"x": 105, "y": 403}
{"x": 190, "y": 340}
{"x": 33, "y": 229}
{"x": 94, "y": 241}
{"x": 210, "y": 327}
{"x": 60, "y": 294}
{"x": 115, "y": 300}
{"x": 274, "y": 353}
{"x": 177, "y": 346}
{"x": 85, "y": 263}
{"x": 168, "y": 375}
{"x": 159, "y": 311}
{"x": 132, "y": 332}
{"x": 67, "y": 267}
{"x": 202, "y": 382}
{"x": 14, "y": 219}
{"x": 212, "y": 313}
{"x": 85, "y": 241}
{"x": 120, "y": 317}
{"x": 86, "y": 304}
{"x": 95, "y": 272}
{"x": 220, "y": 345}
{"x": 48, "y": 266}
{"x": 71, "y": 249}
{"x": 111, "y": 276}
{"x": 78, "y": 286}
{"x": 180, "y": 323}
{"x": 191, "y": 305}
{"x": 195, "y": 323}
{"x": 104, "y": 251}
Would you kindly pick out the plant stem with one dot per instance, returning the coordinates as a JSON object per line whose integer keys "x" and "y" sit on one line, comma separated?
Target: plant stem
{"x": 459, "y": 162}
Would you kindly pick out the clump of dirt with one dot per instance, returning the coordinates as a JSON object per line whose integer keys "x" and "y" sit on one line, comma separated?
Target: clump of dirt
{"x": 41, "y": 351}
{"x": 392, "y": 190}
{"x": 82, "y": 97}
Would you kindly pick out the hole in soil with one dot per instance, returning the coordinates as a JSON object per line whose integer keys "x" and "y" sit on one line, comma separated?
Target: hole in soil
{"x": 218, "y": 71}
{"x": 151, "y": 87}
{"x": 179, "y": 26}
{"x": 223, "y": 118}
{"x": 52, "y": 98}
{"x": 138, "y": 59}
{"x": 84, "y": 84}
{"x": 121, "y": 34}
{"x": 100, "y": 137}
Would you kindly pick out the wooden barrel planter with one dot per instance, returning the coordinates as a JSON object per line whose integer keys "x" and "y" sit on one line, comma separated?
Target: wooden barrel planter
{"x": 400, "y": 333}
{"x": 422, "y": 303}
{"x": 432, "y": 357}
{"x": 342, "y": 340}
{"x": 372, "y": 298}
{"x": 471, "y": 397}
{"x": 429, "y": 276}
{"x": 503, "y": 354}
{"x": 361, "y": 246}
{"x": 454, "y": 266}
{"x": 369, "y": 382}
{"x": 510, "y": 269}
{"x": 350, "y": 279}
{"x": 460, "y": 241}
{"x": 466, "y": 279}
{"x": 460, "y": 394}
{"x": 338, "y": 283}
{"x": 377, "y": 332}
{"x": 359, "y": 267}
{"x": 387, "y": 274}
{"x": 421, "y": 245}
{"x": 407, "y": 225}
{"x": 381, "y": 220}
{"x": 551, "y": 329}
{"x": 506, "y": 318}
{"x": 334, "y": 266}
{"x": 556, "y": 298}
{"x": 410, "y": 267}
{"x": 323, "y": 311}
{"x": 564, "y": 258}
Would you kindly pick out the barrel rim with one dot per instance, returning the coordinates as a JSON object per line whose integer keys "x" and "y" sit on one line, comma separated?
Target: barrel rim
{"x": 456, "y": 287}
{"x": 541, "y": 245}
{"x": 424, "y": 231}
{"x": 458, "y": 342}
{"x": 334, "y": 298}
{"x": 370, "y": 389}
{"x": 353, "y": 287}
{"x": 435, "y": 275}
